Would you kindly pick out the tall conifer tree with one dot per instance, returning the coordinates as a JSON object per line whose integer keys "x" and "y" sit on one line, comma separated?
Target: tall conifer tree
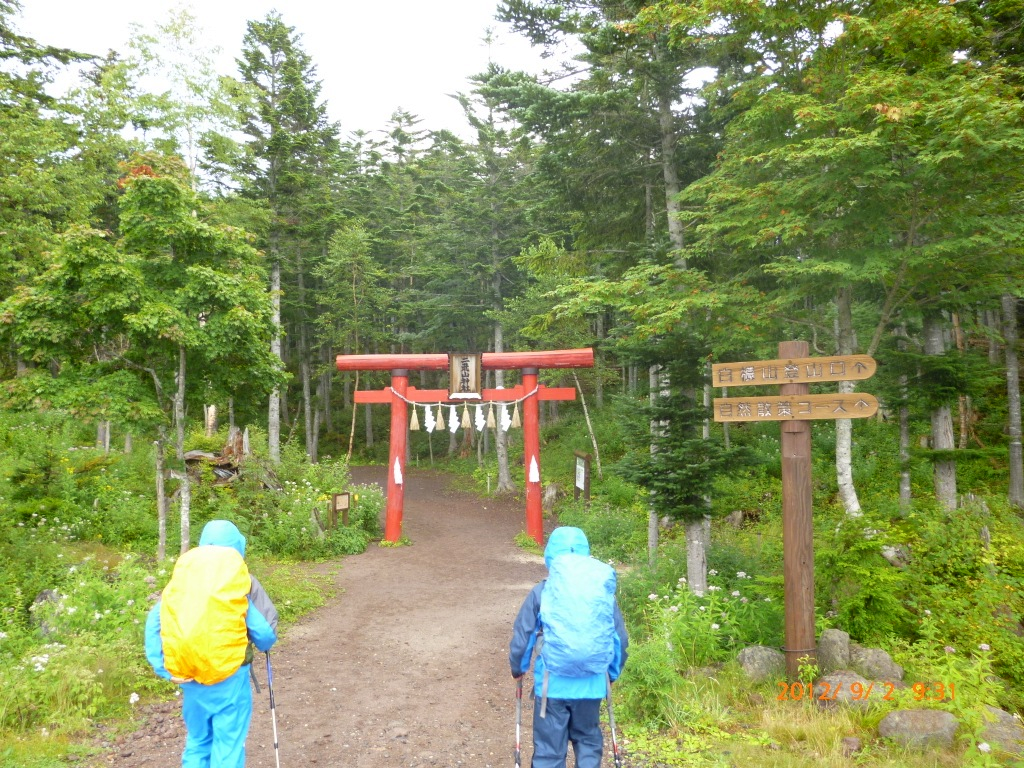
{"x": 289, "y": 148}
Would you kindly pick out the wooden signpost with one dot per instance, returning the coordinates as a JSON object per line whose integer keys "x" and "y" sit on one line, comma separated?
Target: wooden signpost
{"x": 795, "y": 407}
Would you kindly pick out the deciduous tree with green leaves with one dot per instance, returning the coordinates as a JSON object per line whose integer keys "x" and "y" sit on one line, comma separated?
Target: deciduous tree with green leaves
{"x": 177, "y": 298}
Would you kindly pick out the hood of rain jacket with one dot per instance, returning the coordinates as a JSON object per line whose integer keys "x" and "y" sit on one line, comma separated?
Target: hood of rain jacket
{"x": 563, "y": 541}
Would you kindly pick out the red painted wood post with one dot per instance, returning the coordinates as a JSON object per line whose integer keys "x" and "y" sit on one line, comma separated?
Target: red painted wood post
{"x": 797, "y": 528}
{"x": 396, "y": 457}
{"x": 531, "y": 457}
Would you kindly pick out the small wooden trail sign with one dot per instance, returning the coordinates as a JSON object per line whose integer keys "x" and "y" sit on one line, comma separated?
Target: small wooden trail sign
{"x": 800, "y": 370}
{"x": 853, "y": 405}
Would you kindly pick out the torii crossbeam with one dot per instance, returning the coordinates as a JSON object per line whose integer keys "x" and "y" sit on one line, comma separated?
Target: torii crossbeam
{"x": 529, "y": 392}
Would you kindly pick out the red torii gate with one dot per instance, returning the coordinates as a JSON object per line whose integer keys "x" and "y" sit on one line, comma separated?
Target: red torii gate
{"x": 400, "y": 393}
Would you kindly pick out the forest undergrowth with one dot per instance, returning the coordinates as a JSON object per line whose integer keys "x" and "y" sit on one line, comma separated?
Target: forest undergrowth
{"x": 78, "y": 539}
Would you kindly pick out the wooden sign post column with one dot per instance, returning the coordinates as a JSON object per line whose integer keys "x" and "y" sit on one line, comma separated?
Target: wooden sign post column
{"x": 797, "y": 527}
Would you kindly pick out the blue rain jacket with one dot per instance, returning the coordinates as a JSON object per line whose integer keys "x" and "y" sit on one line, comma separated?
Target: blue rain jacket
{"x": 229, "y": 702}
{"x": 527, "y": 628}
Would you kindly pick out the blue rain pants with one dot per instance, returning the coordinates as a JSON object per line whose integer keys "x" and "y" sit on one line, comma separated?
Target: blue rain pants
{"x": 217, "y": 718}
{"x": 567, "y": 720}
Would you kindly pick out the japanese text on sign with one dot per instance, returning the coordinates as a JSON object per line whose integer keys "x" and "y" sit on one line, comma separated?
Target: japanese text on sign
{"x": 797, "y": 371}
{"x": 464, "y": 380}
{"x": 855, "y": 405}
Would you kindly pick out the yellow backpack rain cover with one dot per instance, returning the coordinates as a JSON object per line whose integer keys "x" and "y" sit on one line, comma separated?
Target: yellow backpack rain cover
{"x": 202, "y": 614}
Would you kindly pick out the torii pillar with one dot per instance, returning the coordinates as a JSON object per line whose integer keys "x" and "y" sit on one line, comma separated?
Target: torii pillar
{"x": 529, "y": 392}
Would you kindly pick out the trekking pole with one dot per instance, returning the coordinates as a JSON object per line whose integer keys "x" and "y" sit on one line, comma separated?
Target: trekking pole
{"x": 519, "y": 717}
{"x": 611, "y": 724}
{"x": 273, "y": 710}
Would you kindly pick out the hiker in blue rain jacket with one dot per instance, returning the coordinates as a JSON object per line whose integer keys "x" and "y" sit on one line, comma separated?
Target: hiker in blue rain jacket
{"x": 572, "y": 704}
{"x": 198, "y": 636}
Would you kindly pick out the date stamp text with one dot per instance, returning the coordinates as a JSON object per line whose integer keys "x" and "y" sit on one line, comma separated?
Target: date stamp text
{"x": 825, "y": 691}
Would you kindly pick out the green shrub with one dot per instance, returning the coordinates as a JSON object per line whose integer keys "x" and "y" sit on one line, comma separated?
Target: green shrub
{"x": 614, "y": 533}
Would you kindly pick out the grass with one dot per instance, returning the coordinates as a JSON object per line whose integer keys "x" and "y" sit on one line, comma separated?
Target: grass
{"x": 733, "y": 724}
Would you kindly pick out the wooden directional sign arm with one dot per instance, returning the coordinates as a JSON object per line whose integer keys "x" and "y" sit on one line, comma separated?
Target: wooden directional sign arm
{"x": 852, "y": 405}
{"x": 796, "y": 370}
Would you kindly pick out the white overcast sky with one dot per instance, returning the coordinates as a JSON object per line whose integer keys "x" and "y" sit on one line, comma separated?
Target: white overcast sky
{"x": 371, "y": 58}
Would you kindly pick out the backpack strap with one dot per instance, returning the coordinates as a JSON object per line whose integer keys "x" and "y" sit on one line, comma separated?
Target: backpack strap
{"x": 544, "y": 680}
{"x": 544, "y": 695}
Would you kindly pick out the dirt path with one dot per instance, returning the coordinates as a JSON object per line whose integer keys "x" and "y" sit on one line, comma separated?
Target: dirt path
{"x": 408, "y": 665}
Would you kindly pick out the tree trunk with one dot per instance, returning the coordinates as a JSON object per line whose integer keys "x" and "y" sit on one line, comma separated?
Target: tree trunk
{"x": 1016, "y": 492}
{"x": 590, "y": 427}
{"x": 305, "y": 371}
{"x": 505, "y": 484}
{"x": 179, "y": 408}
{"x": 307, "y": 396}
{"x": 323, "y": 389}
{"x": 161, "y": 501}
{"x": 944, "y": 473}
{"x": 103, "y": 436}
{"x": 185, "y": 499}
{"x": 667, "y": 129}
{"x": 905, "y": 487}
{"x": 656, "y": 381}
{"x": 696, "y": 555}
{"x": 314, "y": 449}
{"x": 966, "y": 408}
{"x": 994, "y": 322}
{"x": 185, "y": 505}
{"x": 352, "y": 423}
{"x": 904, "y": 443}
{"x": 847, "y": 343}
{"x": 274, "y": 409}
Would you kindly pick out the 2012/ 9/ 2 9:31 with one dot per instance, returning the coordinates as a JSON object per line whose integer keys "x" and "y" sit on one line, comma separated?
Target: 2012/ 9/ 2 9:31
{"x": 798, "y": 691}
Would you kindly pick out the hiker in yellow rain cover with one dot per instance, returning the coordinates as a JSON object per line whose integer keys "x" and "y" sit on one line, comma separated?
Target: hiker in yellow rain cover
{"x": 198, "y": 635}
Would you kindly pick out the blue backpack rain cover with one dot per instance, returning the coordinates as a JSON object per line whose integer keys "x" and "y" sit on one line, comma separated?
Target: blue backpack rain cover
{"x": 577, "y": 613}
